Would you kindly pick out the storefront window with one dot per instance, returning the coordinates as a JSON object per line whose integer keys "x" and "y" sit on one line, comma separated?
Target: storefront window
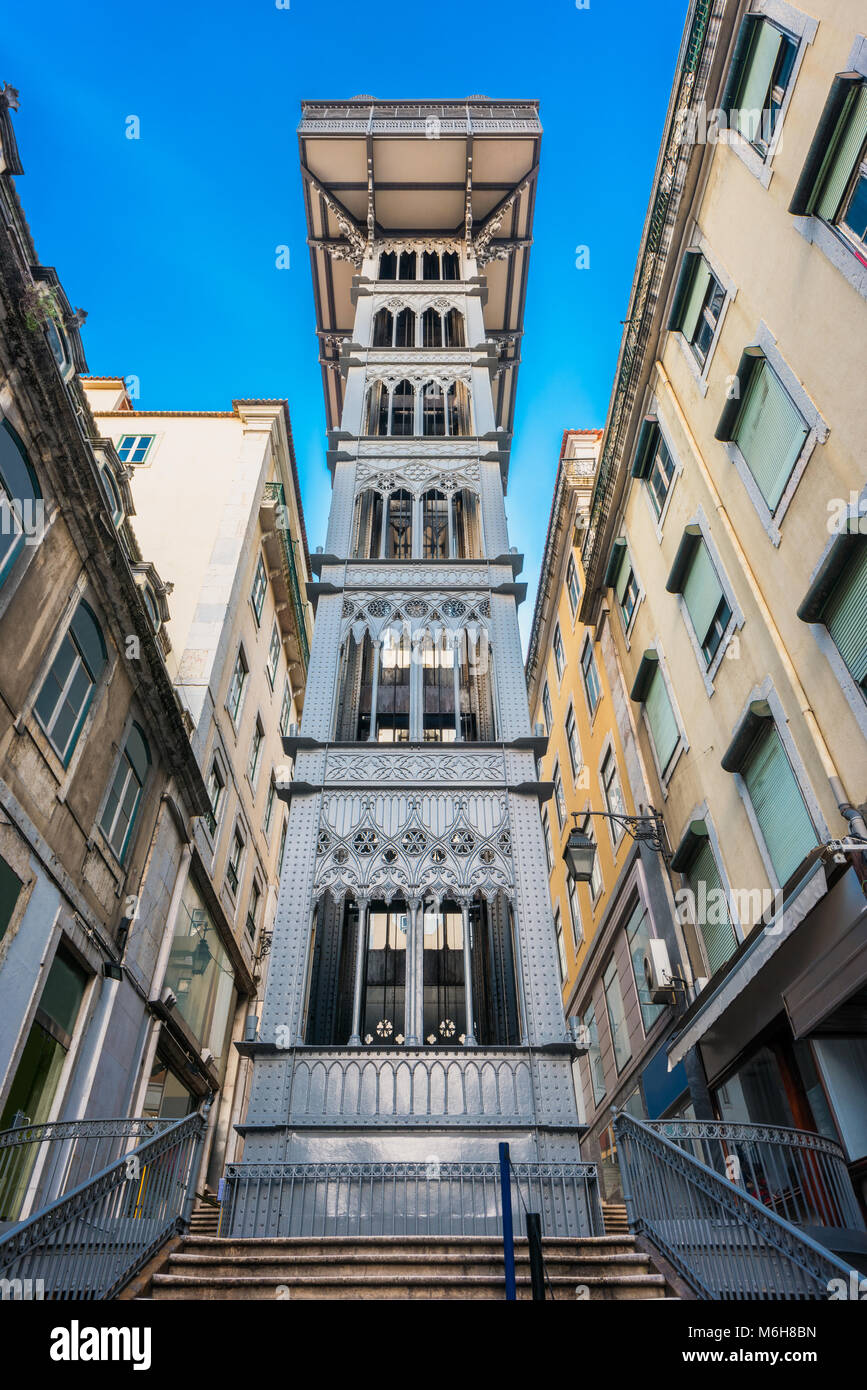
{"x": 167, "y": 1097}
{"x": 200, "y": 976}
{"x": 843, "y": 1064}
{"x": 756, "y": 1094}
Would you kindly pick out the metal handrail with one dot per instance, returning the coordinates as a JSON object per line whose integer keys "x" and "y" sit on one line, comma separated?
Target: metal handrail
{"x": 92, "y": 1241}
{"x": 725, "y": 1242}
{"x": 801, "y": 1175}
{"x": 277, "y": 492}
{"x": 40, "y": 1162}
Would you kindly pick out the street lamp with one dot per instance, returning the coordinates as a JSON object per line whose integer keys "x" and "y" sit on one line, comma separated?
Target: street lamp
{"x": 580, "y": 849}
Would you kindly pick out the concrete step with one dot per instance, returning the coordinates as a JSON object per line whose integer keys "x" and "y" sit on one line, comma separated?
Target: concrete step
{"x": 180, "y": 1287}
{"x": 381, "y": 1265}
{"x": 337, "y": 1247}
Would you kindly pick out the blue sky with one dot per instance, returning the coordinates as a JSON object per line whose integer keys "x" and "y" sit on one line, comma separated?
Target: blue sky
{"x": 169, "y": 241}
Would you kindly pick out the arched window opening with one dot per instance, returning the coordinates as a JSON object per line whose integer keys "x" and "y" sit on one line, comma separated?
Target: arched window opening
{"x": 476, "y": 688}
{"x": 434, "y": 411}
{"x": 465, "y": 525}
{"x": 435, "y": 526}
{"x": 393, "y": 696}
{"x": 383, "y": 328}
{"x": 431, "y": 329}
{"x": 368, "y": 525}
{"x": 376, "y": 422}
{"x": 407, "y": 265}
{"x": 431, "y": 265}
{"x": 399, "y": 534}
{"x": 403, "y": 409}
{"x": 438, "y": 689}
{"x": 453, "y": 324}
{"x": 405, "y": 334}
{"x": 451, "y": 265}
{"x": 387, "y": 265}
{"x": 112, "y": 494}
{"x": 458, "y": 411}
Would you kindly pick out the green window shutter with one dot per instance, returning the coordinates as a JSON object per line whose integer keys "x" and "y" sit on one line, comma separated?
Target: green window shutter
{"x": 718, "y": 934}
{"x": 845, "y": 151}
{"x": 779, "y": 806}
{"x": 770, "y": 434}
{"x": 660, "y": 717}
{"x": 695, "y": 299}
{"x": 623, "y": 573}
{"x": 760, "y": 70}
{"x": 845, "y": 615}
{"x": 702, "y": 591}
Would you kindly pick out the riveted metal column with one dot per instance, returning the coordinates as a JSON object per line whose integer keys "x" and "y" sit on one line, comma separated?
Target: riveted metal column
{"x": 416, "y": 690}
{"x": 363, "y": 907}
{"x": 469, "y": 1035}
{"x": 414, "y": 987}
{"x": 374, "y": 688}
{"x": 383, "y": 525}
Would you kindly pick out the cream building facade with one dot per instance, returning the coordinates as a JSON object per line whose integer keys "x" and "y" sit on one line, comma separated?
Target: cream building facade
{"x": 731, "y": 501}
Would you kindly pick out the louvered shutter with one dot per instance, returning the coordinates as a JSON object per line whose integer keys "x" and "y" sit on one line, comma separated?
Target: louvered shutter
{"x": 842, "y": 161}
{"x": 695, "y": 300}
{"x": 779, "y": 806}
{"x": 660, "y": 717}
{"x": 845, "y": 615}
{"x": 701, "y": 591}
{"x": 718, "y": 935}
{"x": 756, "y": 84}
{"x": 770, "y": 434}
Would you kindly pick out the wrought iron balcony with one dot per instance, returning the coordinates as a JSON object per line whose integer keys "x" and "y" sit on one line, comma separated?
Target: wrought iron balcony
{"x": 275, "y": 492}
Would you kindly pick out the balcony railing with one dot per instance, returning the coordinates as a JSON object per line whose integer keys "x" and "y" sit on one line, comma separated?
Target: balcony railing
{"x": 723, "y": 1240}
{"x": 275, "y": 492}
{"x": 413, "y": 1199}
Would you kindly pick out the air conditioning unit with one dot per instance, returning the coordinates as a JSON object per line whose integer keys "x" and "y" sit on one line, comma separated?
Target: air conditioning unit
{"x": 657, "y": 972}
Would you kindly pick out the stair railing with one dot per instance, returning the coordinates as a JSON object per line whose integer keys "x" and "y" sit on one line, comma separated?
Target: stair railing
{"x": 721, "y": 1239}
{"x": 89, "y": 1243}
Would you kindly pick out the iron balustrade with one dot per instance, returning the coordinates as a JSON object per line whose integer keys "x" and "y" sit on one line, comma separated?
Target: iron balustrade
{"x": 412, "y": 1199}
{"x": 41, "y": 1162}
{"x": 275, "y": 492}
{"x": 92, "y": 1241}
{"x": 723, "y": 1241}
{"x": 801, "y": 1176}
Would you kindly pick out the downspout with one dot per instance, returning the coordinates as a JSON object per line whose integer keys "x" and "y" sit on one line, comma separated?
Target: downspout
{"x": 850, "y": 813}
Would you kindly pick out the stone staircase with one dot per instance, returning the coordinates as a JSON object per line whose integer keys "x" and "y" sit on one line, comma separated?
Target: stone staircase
{"x": 614, "y": 1219}
{"x": 399, "y": 1267}
{"x": 205, "y": 1218}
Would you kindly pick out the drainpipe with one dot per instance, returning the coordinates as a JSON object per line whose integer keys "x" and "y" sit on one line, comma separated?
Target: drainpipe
{"x": 849, "y": 812}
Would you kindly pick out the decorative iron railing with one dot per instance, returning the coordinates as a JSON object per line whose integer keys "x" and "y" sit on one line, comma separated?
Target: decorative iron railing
{"x": 93, "y": 1240}
{"x": 725, "y": 1242}
{"x": 275, "y": 492}
{"x": 414, "y": 1199}
{"x": 801, "y": 1176}
{"x": 39, "y": 1163}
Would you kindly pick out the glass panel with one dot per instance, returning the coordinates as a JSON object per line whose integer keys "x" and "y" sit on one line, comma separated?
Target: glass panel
{"x": 616, "y": 1017}
{"x": 444, "y": 995}
{"x": 385, "y": 975}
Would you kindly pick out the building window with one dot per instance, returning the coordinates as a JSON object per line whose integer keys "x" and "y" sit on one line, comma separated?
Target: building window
{"x": 698, "y": 304}
{"x": 546, "y": 709}
{"x": 235, "y": 861}
{"x": 658, "y": 711}
{"x": 237, "y": 687}
{"x": 769, "y": 430}
{"x": 274, "y": 655}
{"x": 252, "y": 921}
{"x": 638, "y": 937}
{"x": 596, "y": 874}
{"x": 833, "y": 183}
{"x": 549, "y": 848}
{"x": 612, "y": 792}
{"x": 626, "y": 589}
{"x": 778, "y": 804}
{"x": 711, "y": 911}
{"x": 435, "y": 525}
{"x": 559, "y": 653}
{"x": 282, "y": 847}
{"x": 388, "y": 266}
{"x": 433, "y": 409}
{"x": 760, "y": 77}
{"x": 560, "y": 798}
{"x": 590, "y": 677}
{"x": 269, "y": 805}
{"x": 383, "y": 328}
{"x": 111, "y": 491}
{"x": 616, "y": 1017}
{"x": 255, "y": 751}
{"x": 286, "y": 709}
{"x": 575, "y": 760}
{"x": 573, "y": 586}
{"x": 260, "y": 586}
{"x": 10, "y": 887}
{"x": 574, "y": 911}
{"x": 216, "y": 790}
{"x": 845, "y": 616}
{"x": 125, "y": 792}
{"x": 67, "y": 691}
{"x": 653, "y": 463}
{"x": 594, "y": 1054}
{"x": 133, "y": 448}
{"x": 20, "y": 496}
{"x": 561, "y": 944}
{"x": 695, "y": 579}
